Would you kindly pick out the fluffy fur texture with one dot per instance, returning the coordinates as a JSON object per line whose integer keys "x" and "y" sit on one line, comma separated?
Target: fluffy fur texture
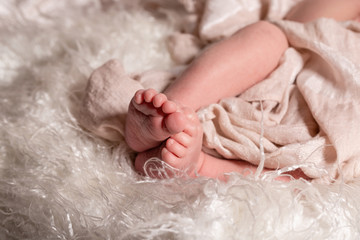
{"x": 58, "y": 181}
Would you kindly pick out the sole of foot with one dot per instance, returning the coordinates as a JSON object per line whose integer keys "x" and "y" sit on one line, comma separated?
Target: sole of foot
{"x": 151, "y": 119}
{"x": 180, "y": 154}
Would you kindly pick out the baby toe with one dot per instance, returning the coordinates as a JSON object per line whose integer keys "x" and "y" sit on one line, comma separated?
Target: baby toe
{"x": 169, "y": 107}
{"x": 159, "y": 100}
{"x": 139, "y": 96}
{"x": 170, "y": 158}
{"x": 183, "y": 138}
{"x": 176, "y": 148}
{"x": 149, "y": 95}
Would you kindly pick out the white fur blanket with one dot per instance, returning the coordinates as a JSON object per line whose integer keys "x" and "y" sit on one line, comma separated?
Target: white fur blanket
{"x": 58, "y": 181}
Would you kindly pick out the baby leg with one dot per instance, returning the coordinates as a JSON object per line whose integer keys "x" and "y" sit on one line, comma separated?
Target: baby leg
{"x": 225, "y": 69}
{"x": 231, "y": 66}
{"x": 309, "y": 10}
{"x": 182, "y": 151}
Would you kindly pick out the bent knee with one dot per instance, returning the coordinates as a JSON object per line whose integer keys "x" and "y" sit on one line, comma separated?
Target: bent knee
{"x": 271, "y": 32}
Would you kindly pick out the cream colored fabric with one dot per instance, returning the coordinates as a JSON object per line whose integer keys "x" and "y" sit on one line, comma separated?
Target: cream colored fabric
{"x": 311, "y": 106}
{"x": 107, "y": 96}
{"x": 308, "y": 109}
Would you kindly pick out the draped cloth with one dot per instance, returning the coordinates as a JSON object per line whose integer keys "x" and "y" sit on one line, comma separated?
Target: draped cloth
{"x": 305, "y": 114}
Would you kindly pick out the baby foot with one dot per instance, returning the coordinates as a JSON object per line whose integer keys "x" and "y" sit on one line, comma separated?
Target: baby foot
{"x": 181, "y": 151}
{"x": 151, "y": 119}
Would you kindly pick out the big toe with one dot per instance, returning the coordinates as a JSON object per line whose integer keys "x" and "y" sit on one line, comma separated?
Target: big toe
{"x": 175, "y": 122}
